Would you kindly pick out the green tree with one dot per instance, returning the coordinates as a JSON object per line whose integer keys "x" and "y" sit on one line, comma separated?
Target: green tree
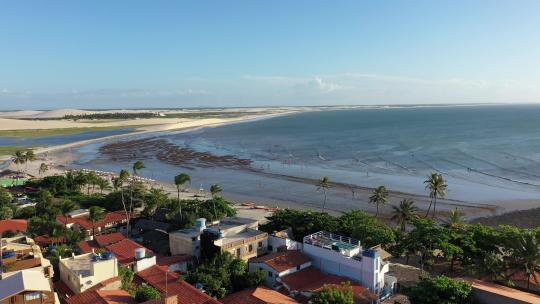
{"x": 379, "y": 197}
{"x": 96, "y": 214}
{"x": 118, "y": 184}
{"x": 527, "y": 254}
{"x": 404, "y": 213}
{"x": 146, "y": 293}
{"x": 215, "y": 189}
{"x": 6, "y": 212}
{"x": 67, "y": 206}
{"x": 441, "y": 290}
{"x": 426, "y": 238}
{"x": 43, "y": 167}
{"x": 335, "y": 294}
{"x": 126, "y": 275}
{"x": 154, "y": 199}
{"x": 138, "y": 166}
{"x": 455, "y": 220}
{"x": 5, "y": 197}
{"x": 18, "y": 159}
{"x": 323, "y": 185}
{"x": 224, "y": 274}
{"x": 366, "y": 228}
{"x": 103, "y": 184}
{"x": 436, "y": 186}
{"x": 301, "y": 223}
{"x": 180, "y": 180}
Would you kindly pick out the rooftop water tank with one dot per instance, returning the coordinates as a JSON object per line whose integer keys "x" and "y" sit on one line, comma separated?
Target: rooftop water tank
{"x": 8, "y": 254}
{"x": 199, "y": 285}
{"x": 107, "y": 255}
{"x": 200, "y": 224}
{"x": 140, "y": 253}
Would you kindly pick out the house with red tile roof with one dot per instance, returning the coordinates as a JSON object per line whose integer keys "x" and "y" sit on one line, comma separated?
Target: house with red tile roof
{"x": 100, "y": 241}
{"x": 132, "y": 254}
{"x": 13, "y": 225}
{"x": 169, "y": 283}
{"x": 279, "y": 264}
{"x": 176, "y": 263}
{"x": 259, "y": 295}
{"x": 80, "y": 221}
{"x": 311, "y": 280}
{"x": 117, "y": 296}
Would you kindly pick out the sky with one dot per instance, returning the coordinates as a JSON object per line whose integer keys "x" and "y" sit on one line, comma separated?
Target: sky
{"x": 133, "y": 54}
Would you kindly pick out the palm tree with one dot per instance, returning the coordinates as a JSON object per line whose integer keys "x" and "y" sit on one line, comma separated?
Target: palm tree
{"x": 43, "y": 168}
{"x": 379, "y": 197}
{"x": 404, "y": 213}
{"x": 437, "y": 188}
{"x": 455, "y": 220}
{"x": 18, "y": 159}
{"x": 67, "y": 206}
{"x": 29, "y": 156}
{"x": 528, "y": 255}
{"x": 118, "y": 184}
{"x": 137, "y": 166}
{"x": 103, "y": 184}
{"x": 180, "y": 180}
{"x": 96, "y": 214}
{"x": 324, "y": 185}
{"x": 215, "y": 189}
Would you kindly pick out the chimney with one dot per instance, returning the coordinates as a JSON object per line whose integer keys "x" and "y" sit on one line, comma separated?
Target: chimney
{"x": 171, "y": 300}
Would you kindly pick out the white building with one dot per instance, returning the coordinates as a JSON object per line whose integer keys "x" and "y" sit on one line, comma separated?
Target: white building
{"x": 282, "y": 240}
{"x": 84, "y": 271}
{"x": 344, "y": 256}
{"x": 279, "y": 264}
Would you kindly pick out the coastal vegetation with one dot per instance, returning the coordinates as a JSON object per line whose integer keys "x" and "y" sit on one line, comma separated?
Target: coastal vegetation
{"x": 501, "y": 253}
{"x": 116, "y": 115}
{"x": 224, "y": 274}
{"x": 448, "y": 246}
{"x": 441, "y": 290}
{"x": 33, "y": 133}
{"x": 331, "y": 294}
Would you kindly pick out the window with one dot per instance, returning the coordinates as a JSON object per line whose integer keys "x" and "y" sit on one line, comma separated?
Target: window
{"x": 260, "y": 244}
{"x": 238, "y": 252}
{"x": 269, "y": 274}
{"x": 298, "y": 267}
{"x": 32, "y": 296}
{"x": 250, "y": 248}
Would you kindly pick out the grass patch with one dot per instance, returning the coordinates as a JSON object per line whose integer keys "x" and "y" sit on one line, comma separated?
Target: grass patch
{"x": 10, "y": 150}
{"x": 33, "y": 133}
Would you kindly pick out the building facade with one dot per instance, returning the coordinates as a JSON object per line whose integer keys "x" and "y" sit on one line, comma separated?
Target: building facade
{"x": 84, "y": 271}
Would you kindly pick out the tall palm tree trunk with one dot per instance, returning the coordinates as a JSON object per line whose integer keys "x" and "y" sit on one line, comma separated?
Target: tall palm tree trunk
{"x": 429, "y": 208}
{"x": 434, "y": 205}
{"x": 324, "y": 202}
{"x": 179, "y": 204}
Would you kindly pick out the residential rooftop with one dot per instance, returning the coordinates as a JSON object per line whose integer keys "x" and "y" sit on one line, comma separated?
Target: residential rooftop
{"x": 281, "y": 261}
{"x": 81, "y": 265}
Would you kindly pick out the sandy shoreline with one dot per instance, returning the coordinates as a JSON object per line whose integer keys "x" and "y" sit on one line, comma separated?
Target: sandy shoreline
{"x": 301, "y": 193}
{"x": 155, "y": 125}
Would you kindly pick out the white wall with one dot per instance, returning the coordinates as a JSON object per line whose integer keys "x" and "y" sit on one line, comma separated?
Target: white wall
{"x": 329, "y": 261}
{"x": 145, "y": 263}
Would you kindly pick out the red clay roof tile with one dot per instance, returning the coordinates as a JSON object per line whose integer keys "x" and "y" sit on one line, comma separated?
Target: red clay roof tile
{"x": 281, "y": 261}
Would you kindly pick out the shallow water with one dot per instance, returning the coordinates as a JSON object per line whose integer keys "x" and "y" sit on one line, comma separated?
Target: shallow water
{"x": 487, "y": 153}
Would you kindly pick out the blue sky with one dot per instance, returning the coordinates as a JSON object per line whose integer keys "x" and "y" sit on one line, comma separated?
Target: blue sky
{"x": 115, "y": 54}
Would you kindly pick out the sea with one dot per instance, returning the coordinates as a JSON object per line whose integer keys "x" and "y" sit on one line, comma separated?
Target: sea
{"x": 487, "y": 153}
